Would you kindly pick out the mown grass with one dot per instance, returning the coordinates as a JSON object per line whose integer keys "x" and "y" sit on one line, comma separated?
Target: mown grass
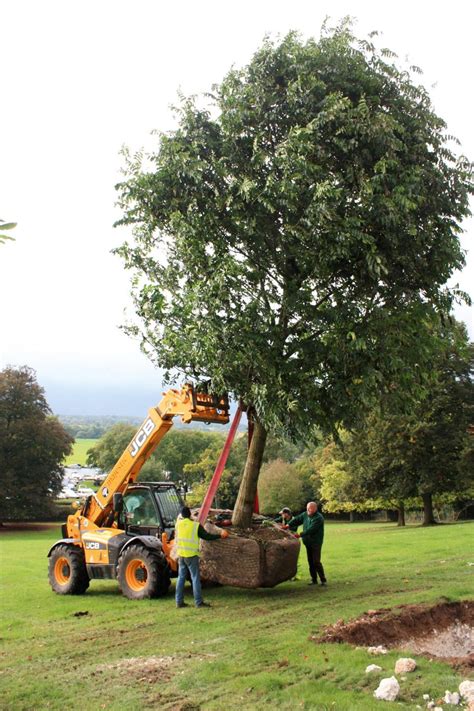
{"x": 79, "y": 452}
{"x": 250, "y": 650}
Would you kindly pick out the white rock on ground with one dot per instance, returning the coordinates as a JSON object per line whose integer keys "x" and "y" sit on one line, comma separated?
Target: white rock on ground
{"x": 451, "y": 698}
{"x": 377, "y": 650}
{"x": 388, "y": 689}
{"x": 404, "y": 665}
{"x": 373, "y": 668}
{"x": 466, "y": 689}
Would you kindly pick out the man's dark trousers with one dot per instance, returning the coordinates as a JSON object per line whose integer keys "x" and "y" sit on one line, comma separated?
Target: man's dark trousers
{"x": 314, "y": 561}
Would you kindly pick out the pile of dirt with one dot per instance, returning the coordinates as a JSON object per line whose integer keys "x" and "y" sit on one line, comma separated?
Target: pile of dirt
{"x": 445, "y": 630}
{"x": 261, "y": 556}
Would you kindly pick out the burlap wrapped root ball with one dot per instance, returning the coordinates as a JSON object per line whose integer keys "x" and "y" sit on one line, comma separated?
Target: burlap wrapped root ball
{"x": 260, "y": 557}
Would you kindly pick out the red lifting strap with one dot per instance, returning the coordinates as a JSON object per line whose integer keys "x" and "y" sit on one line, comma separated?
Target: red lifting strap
{"x": 216, "y": 477}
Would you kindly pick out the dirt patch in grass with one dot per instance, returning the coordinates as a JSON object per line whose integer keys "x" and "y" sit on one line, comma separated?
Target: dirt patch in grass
{"x": 147, "y": 669}
{"x": 150, "y": 669}
{"x": 445, "y": 630}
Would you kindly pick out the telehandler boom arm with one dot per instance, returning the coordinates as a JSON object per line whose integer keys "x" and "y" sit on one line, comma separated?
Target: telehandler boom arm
{"x": 191, "y": 406}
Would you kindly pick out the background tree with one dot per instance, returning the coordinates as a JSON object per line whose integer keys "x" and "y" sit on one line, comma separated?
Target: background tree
{"x": 281, "y": 484}
{"x": 425, "y": 449}
{"x": 33, "y": 445}
{"x": 181, "y": 447}
{"x": 292, "y": 241}
{"x": 198, "y": 474}
{"x": 110, "y": 446}
{"x": 343, "y": 488}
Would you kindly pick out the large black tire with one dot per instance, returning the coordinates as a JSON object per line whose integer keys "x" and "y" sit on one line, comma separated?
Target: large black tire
{"x": 142, "y": 573}
{"x": 67, "y": 571}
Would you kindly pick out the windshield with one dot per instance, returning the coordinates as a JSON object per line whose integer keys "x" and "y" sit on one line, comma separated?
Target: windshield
{"x": 169, "y": 504}
{"x": 140, "y": 508}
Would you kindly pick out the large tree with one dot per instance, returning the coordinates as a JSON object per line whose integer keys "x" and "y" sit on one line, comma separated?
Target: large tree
{"x": 291, "y": 240}
{"x": 33, "y": 445}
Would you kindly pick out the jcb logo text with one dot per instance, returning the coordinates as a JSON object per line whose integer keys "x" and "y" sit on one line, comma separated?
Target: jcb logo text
{"x": 141, "y": 436}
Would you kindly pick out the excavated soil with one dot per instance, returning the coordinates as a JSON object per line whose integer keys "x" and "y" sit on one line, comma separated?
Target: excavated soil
{"x": 443, "y": 631}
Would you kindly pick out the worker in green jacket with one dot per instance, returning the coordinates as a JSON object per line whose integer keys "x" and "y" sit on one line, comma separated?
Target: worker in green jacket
{"x": 188, "y": 533}
{"x": 312, "y": 537}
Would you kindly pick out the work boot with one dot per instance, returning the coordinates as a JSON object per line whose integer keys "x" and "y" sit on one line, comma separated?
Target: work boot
{"x": 204, "y": 604}
{"x": 313, "y": 582}
{"x": 324, "y": 582}
{"x": 182, "y": 604}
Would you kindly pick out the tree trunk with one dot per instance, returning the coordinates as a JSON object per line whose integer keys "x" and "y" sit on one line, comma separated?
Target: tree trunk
{"x": 428, "y": 513}
{"x": 243, "y": 508}
{"x": 401, "y": 514}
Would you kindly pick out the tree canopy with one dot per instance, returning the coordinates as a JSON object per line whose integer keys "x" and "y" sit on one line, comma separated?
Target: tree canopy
{"x": 33, "y": 445}
{"x": 293, "y": 238}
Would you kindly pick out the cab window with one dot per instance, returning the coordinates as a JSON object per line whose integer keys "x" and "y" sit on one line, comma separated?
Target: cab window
{"x": 140, "y": 509}
{"x": 169, "y": 504}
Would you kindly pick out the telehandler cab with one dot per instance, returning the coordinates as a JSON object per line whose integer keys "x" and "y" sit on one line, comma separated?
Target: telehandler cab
{"x": 125, "y": 529}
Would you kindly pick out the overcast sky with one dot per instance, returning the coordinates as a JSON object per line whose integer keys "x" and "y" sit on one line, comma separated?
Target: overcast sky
{"x": 81, "y": 79}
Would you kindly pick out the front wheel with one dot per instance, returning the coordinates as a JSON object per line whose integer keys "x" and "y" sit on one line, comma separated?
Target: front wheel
{"x": 142, "y": 573}
{"x": 67, "y": 570}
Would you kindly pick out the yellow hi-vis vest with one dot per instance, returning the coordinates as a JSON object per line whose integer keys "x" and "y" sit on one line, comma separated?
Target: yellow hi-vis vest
{"x": 187, "y": 541}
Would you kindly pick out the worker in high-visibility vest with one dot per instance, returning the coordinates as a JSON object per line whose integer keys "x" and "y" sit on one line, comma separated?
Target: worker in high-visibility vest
{"x": 188, "y": 533}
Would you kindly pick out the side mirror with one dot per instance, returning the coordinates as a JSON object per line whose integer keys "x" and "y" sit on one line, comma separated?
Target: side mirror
{"x": 117, "y": 502}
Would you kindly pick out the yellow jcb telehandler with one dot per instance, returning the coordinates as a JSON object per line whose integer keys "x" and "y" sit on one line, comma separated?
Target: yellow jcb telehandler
{"x": 125, "y": 529}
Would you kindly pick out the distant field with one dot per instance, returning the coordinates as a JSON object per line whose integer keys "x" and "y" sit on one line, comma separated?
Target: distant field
{"x": 79, "y": 453}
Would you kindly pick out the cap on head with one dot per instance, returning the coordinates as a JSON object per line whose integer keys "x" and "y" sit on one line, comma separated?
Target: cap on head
{"x": 285, "y": 510}
{"x": 186, "y": 512}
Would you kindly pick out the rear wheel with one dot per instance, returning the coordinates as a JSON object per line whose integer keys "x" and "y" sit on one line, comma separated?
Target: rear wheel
{"x": 142, "y": 573}
{"x": 67, "y": 570}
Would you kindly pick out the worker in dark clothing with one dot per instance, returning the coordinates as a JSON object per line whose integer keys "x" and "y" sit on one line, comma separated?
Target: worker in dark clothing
{"x": 188, "y": 533}
{"x": 312, "y": 537}
{"x": 284, "y": 516}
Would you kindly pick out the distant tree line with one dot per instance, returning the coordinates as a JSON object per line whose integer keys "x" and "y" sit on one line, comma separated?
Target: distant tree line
{"x": 90, "y": 427}
{"x": 95, "y": 426}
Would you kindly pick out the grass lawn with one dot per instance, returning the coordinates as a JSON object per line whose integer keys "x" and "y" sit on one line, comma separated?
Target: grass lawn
{"x": 249, "y": 651}
{"x": 79, "y": 452}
